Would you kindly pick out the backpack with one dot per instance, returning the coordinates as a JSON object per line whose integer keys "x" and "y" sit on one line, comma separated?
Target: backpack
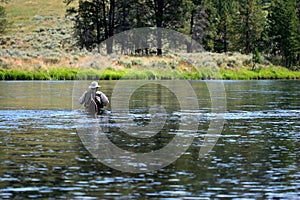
{"x": 93, "y": 105}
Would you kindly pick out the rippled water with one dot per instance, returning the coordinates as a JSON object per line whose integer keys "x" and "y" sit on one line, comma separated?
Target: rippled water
{"x": 257, "y": 155}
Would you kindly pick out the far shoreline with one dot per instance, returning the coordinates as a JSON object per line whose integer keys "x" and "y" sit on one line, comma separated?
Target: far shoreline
{"x": 209, "y": 67}
{"x": 70, "y": 74}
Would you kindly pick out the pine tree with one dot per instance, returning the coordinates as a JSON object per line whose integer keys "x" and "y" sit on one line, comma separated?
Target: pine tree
{"x": 166, "y": 14}
{"x": 224, "y": 10}
{"x": 247, "y": 25}
{"x": 130, "y": 14}
{"x": 283, "y": 31}
{"x": 298, "y": 8}
{"x": 199, "y": 23}
{"x": 211, "y": 26}
{"x": 94, "y": 22}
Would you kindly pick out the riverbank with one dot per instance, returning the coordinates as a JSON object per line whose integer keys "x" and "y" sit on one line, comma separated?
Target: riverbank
{"x": 194, "y": 67}
{"x": 39, "y": 45}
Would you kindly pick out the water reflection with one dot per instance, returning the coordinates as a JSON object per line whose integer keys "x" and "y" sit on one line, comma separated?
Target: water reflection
{"x": 256, "y": 157}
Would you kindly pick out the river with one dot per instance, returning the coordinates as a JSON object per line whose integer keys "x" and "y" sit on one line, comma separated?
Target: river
{"x": 44, "y": 153}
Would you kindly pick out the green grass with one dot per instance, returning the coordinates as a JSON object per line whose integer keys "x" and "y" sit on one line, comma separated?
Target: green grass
{"x": 267, "y": 72}
{"x": 52, "y": 74}
{"x": 38, "y": 31}
{"x": 66, "y": 73}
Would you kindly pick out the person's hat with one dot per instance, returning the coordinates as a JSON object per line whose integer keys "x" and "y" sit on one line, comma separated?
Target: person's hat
{"x": 94, "y": 85}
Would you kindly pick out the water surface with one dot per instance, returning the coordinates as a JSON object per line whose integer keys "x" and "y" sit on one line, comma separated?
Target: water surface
{"x": 257, "y": 155}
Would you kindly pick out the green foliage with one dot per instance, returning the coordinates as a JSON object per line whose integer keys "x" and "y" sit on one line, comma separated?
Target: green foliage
{"x": 111, "y": 74}
{"x": 96, "y": 21}
{"x": 219, "y": 26}
{"x": 261, "y": 73}
{"x": 137, "y": 62}
{"x": 135, "y": 74}
{"x": 17, "y": 75}
{"x": 247, "y": 25}
{"x": 204, "y": 73}
{"x": 92, "y": 25}
{"x": 62, "y": 73}
{"x": 284, "y": 31}
{"x": 256, "y": 57}
{"x": 88, "y": 74}
{"x": 126, "y": 63}
{"x": 3, "y": 20}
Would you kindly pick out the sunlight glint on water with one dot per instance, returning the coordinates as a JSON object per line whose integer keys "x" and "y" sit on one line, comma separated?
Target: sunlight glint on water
{"x": 257, "y": 155}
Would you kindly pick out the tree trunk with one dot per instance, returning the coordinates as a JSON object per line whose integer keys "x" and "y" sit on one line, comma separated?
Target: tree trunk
{"x": 159, "y": 5}
{"x": 190, "y": 44}
{"x": 111, "y": 26}
{"x": 225, "y": 34}
{"x": 104, "y": 20}
{"x": 247, "y": 28}
{"x": 98, "y": 27}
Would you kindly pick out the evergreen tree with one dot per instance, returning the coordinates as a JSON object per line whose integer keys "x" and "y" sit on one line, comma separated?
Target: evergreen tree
{"x": 298, "y": 8}
{"x": 98, "y": 20}
{"x": 204, "y": 26}
{"x": 94, "y": 22}
{"x": 199, "y": 20}
{"x": 166, "y": 14}
{"x": 224, "y": 10}
{"x": 283, "y": 31}
{"x": 247, "y": 25}
{"x": 130, "y": 14}
{"x": 219, "y": 25}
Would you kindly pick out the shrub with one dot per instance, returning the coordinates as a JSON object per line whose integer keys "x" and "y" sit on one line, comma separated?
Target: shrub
{"x": 2, "y": 75}
{"x": 137, "y": 62}
{"x": 63, "y": 73}
{"x": 51, "y": 60}
{"x": 41, "y": 75}
{"x": 162, "y": 64}
{"x": 3, "y": 21}
{"x": 111, "y": 74}
{"x": 256, "y": 57}
{"x": 18, "y": 75}
{"x": 231, "y": 63}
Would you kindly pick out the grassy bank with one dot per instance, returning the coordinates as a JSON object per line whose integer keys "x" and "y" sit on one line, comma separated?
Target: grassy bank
{"x": 168, "y": 67}
{"x": 39, "y": 45}
{"x": 266, "y": 72}
{"x": 111, "y": 74}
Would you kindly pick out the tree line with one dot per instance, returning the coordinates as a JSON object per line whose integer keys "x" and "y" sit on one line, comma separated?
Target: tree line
{"x": 271, "y": 27}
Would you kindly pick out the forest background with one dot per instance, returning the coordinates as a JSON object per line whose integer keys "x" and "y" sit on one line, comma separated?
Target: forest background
{"x": 247, "y": 39}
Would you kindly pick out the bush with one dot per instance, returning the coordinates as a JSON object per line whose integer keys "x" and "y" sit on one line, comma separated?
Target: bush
{"x": 137, "y": 62}
{"x": 41, "y": 76}
{"x": 18, "y": 75}
{"x": 51, "y": 60}
{"x": 88, "y": 74}
{"x": 111, "y": 74}
{"x": 256, "y": 57}
{"x": 63, "y": 73}
{"x": 3, "y": 20}
{"x": 2, "y": 75}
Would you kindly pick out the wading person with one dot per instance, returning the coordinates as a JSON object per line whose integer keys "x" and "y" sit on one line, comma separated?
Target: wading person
{"x": 94, "y": 100}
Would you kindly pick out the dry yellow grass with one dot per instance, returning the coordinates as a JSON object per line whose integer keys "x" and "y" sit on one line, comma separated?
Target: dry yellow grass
{"x": 22, "y": 14}
{"x": 27, "y": 16}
